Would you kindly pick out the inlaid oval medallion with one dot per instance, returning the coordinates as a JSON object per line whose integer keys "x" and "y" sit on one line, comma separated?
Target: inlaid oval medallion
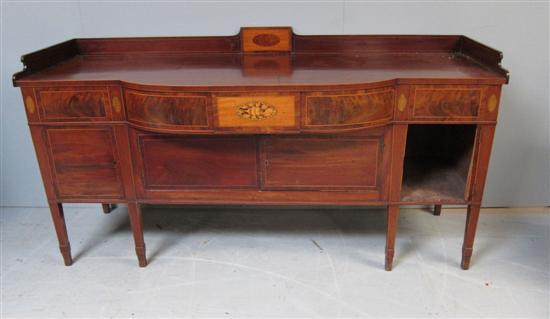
{"x": 256, "y": 110}
{"x": 492, "y": 104}
{"x": 266, "y": 40}
{"x": 116, "y": 104}
{"x": 29, "y": 102}
{"x": 402, "y": 103}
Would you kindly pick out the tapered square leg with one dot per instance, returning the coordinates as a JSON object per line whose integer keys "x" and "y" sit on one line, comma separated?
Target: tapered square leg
{"x": 134, "y": 212}
{"x": 56, "y": 210}
{"x": 393, "y": 217}
{"x": 469, "y": 235}
{"x": 437, "y": 210}
{"x": 107, "y": 208}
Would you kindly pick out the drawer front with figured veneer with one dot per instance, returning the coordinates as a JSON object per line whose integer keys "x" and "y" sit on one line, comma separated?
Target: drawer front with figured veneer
{"x": 74, "y": 104}
{"x": 432, "y": 103}
{"x": 347, "y": 110}
{"x": 269, "y": 112}
{"x": 172, "y": 111}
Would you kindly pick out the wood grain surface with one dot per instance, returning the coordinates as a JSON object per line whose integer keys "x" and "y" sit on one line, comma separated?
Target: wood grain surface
{"x": 321, "y": 163}
{"x": 74, "y": 104}
{"x": 171, "y": 111}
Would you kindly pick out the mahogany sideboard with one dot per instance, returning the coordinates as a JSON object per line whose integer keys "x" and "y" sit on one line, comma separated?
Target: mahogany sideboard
{"x": 264, "y": 117}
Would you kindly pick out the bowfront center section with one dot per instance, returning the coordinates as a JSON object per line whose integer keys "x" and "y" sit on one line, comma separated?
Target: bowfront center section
{"x": 266, "y": 147}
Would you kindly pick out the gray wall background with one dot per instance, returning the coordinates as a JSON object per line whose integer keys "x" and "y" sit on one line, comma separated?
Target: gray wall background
{"x": 520, "y": 168}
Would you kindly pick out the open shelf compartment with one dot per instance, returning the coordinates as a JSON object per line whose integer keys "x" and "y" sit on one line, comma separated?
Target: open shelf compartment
{"x": 437, "y": 163}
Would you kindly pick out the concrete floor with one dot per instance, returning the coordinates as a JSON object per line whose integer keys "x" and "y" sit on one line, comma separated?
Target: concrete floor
{"x": 275, "y": 262}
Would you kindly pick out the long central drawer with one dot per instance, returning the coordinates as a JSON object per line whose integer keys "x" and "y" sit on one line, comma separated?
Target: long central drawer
{"x": 263, "y": 112}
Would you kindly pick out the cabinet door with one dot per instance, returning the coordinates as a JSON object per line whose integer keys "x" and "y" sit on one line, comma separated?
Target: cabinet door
{"x": 318, "y": 162}
{"x": 191, "y": 162}
{"x": 84, "y": 162}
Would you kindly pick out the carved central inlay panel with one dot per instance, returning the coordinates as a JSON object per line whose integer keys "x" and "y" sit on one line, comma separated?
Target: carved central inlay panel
{"x": 256, "y": 110}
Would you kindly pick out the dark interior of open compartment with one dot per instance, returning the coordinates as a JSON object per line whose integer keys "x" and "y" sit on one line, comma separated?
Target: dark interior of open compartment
{"x": 437, "y": 163}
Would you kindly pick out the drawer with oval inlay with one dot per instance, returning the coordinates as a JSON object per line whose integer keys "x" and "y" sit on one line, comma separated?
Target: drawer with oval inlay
{"x": 340, "y": 110}
{"x": 256, "y": 112}
{"x": 170, "y": 111}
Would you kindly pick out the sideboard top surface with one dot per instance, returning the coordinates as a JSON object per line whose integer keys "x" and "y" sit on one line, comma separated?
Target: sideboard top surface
{"x": 222, "y": 62}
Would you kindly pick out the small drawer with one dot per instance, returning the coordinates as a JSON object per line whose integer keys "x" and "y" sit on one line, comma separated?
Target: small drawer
{"x": 74, "y": 104}
{"x": 175, "y": 111}
{"x": 451, "y": 102}
{"x": 330, "y": 110}
{"x": 256, "y": 112}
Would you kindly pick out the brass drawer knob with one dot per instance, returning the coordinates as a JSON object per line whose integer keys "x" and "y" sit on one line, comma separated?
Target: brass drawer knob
{"x": 256, "y": 110}
{"x": 116, "y": 104}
